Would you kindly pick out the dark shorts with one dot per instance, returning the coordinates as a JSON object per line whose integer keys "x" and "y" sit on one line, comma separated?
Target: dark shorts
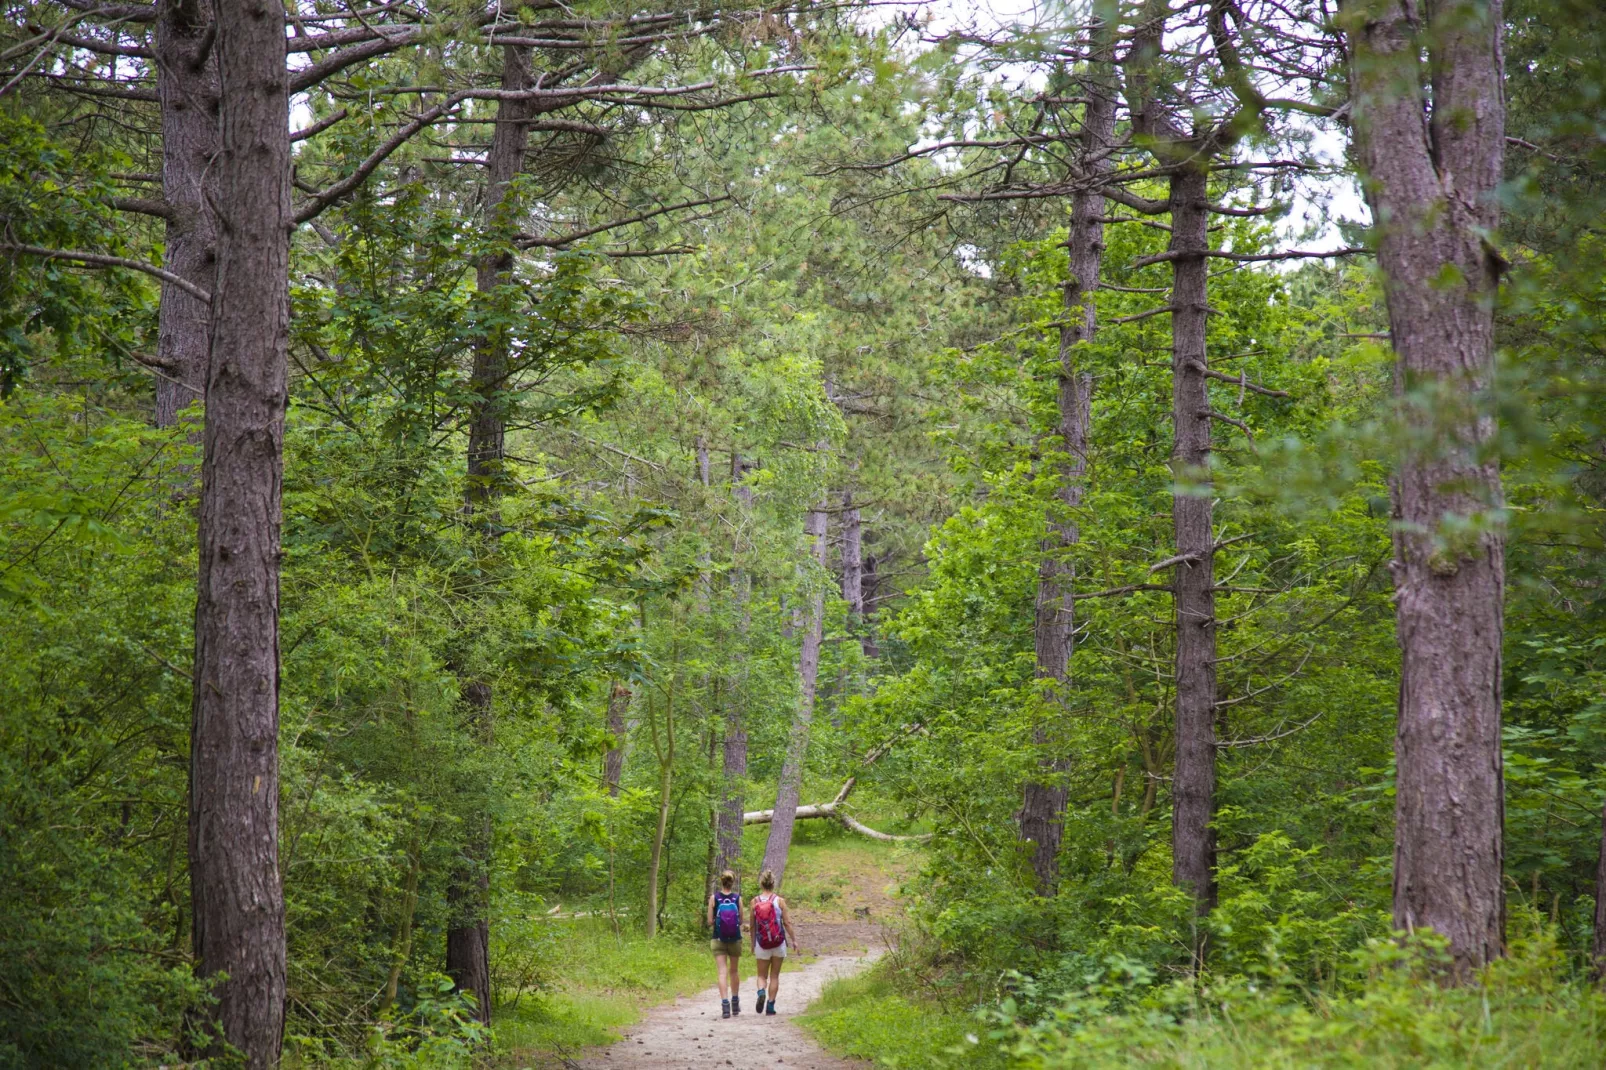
{"x": 733, "y": 948}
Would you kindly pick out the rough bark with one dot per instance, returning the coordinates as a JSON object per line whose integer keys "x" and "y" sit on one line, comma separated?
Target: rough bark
{"x": 468, "y": 932}
{"x": 613, "y": 763}
{"x": 1040, "y": 818}
{"x": 234, "y": 767}
{"x": 852, "y": 558}
{"x": 468, "y": 891}
{"x": 1193, "y": 839}
{"x": 187, "y": 94}
{"x": 733, "y": 770}
{"x": 489, "y": 385}
{"x": 1189, "y": 153}
{"x": 1431, "y": 167}
{"x": 779, "y": 843}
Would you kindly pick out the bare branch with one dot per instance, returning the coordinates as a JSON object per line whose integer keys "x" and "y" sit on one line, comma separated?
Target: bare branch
{"x": 530, "y": 242}
{"x": 101, "y": 260}
{"x": 318, "y": 127}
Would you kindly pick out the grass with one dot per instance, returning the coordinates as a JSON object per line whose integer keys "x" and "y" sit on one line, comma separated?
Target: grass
{"x": 1529, "y": 1012}
{"x": 584, "y": 985}
{"x": 831, "y": 872}
{"x": 600, "y": 985}
{"x": 870, "y": 1017}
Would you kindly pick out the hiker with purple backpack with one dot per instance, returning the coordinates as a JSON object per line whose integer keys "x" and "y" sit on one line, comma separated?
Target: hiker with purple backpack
{"x": 772, "y": 936}
{"x": 725, "y": 923}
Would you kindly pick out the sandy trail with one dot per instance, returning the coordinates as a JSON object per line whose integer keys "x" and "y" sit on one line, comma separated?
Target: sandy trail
{"x": 689, "y": 1033}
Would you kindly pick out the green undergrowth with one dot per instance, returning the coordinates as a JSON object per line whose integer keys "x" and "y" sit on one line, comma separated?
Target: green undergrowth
{"x": 877, "y": 1015}
{"x": 1529, "y": 1010}
{"x": 592, "y": 984}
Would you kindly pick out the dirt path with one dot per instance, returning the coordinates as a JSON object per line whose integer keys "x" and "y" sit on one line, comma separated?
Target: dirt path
{"x": 689, "y": 1033}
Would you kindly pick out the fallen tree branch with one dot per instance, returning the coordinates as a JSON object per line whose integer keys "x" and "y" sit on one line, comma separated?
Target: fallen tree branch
{"x": 834, "y": 808}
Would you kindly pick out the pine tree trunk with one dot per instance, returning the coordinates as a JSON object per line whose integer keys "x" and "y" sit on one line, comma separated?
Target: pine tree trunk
{"x": 234, "y": 743}
{"x": 1598, "y": 947}
{"x": 1193, "y": 840}
{"x": 734, "y": 757}
{"x": 852, "y": 559}
{"x": 1040, "y": 819}
{"x": 797, "y": 744}
{"x": 468, "y": 932}
{"x": 613, "y": 763}
{"x": 187, "y": 94}
{"x": 870, "y": 586}
{"x": 468, "y": 890}
{"x": 666, "y": 772}
{"x": 1432, "y": 167}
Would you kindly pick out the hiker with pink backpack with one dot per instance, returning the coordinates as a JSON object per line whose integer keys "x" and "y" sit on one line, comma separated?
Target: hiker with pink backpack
{"x": 772, "y": 937}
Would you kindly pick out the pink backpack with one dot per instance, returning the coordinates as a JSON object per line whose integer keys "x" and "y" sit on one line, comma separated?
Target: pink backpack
{"x": 767, "y": 922}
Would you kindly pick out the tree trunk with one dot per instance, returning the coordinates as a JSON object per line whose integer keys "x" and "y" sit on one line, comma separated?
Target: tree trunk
{"x": 870, "y": 588}
{"x": 797, "y": 744}
{"x": 468, "y": 891}
{"x": 666, "y": 772}
{"x": 1193, "y": 840}
{"x": 489, "y": 385}
{"x": 1599, "y": 945}
{"x": 1040, "y": 819}
{"x": 187, "y": 92}
{"x": 402, "y": 946}
{"x": 1432, "y": 167}
{"x": 234, "y": 741}
{"x": 613, "y": 763}
{"x": 468, "y": 936}
{"x": 852, "y": 559}
{"x": 734, "y": 758}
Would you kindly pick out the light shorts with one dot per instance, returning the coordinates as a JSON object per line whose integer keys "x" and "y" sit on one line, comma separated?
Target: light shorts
{"x": 769, "y": 952}
{"x": 733, "y": 948}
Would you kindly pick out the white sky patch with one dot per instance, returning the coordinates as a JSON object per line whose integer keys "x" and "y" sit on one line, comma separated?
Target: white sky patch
{"x": 1318, "y": 201}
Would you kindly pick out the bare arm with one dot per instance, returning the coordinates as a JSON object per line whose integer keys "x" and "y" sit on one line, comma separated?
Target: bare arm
{"x": 786, "y": 923}
{"x": 710, "y": 912}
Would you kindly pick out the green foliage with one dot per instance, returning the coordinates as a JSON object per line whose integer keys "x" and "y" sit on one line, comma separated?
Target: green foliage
{"x": 1384, "y": 1010}
{"x": 874, "y": 1016}
{"x": 588, "y": 982}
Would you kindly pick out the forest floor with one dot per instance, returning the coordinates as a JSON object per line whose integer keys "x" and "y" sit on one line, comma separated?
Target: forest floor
{"x": 620, "y": 1005}
{"x": 689, "y": 1033}
{"x": 842, "y": 893}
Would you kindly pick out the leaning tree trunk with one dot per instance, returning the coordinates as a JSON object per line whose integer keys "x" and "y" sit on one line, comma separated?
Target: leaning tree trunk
{"x": 187, "y": 93}
{"x": 797, "y": 744}
{"x": 733, "y": 772}
{"x": 1432, "y": 167}
{"x": 1041, "y": 815}
{"x": 468, "y": 934}
{"x": 1193, "y": 838}
{"x": 234, "y": 740}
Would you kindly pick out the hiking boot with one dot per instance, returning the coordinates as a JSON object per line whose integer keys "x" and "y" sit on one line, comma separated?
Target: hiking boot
{"x": 771, "y": 1009}
{"x": 724, "y": 1008}
{"x": 736, "y": 1004}
{"x": 759, "y": 1009}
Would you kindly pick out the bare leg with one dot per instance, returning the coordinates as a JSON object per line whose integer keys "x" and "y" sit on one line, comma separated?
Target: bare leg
{"x": 734, "y": 969}
{"x": 721, "y": 970}
{"x": 775, "y": 976}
